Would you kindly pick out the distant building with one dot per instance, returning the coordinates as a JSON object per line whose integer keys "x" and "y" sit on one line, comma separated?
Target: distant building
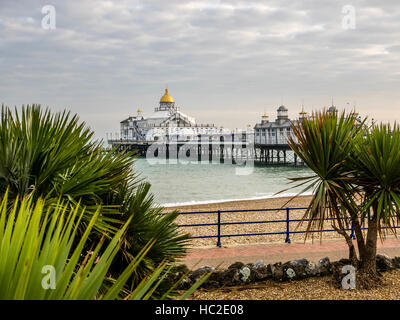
{"x": 166, "y": 122}
{"x": 275, "y": 132}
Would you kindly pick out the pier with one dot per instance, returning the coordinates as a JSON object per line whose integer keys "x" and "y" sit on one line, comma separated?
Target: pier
{"x": 228, "y": 148}
{"x": 170, "y": 134}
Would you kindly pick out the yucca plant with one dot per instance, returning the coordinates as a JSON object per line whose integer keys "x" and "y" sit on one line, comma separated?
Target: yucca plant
{"x": 38, "y": 259}
{"x": 356, "y": 181}
{"x": 54, "y": 156}
{"x": 376, "y": 164}
{"x": 149, "y": 223}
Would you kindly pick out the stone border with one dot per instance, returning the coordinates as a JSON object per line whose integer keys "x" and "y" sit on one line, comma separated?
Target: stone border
{"x": 239, "y": 273}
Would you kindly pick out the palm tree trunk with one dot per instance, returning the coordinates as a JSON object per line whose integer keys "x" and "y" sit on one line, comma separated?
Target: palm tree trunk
{"x": 359, "y": 236}
{"x": 367, "y": 275}
{"x": 369, "y": 256}
{"x": 349, "y": 241}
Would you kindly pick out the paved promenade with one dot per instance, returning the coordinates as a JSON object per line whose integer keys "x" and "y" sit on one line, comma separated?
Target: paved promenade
{"x": 272, "y": 253}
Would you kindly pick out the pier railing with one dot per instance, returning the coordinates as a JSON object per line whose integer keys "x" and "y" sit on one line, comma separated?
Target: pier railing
{"x": 219, "y": 235}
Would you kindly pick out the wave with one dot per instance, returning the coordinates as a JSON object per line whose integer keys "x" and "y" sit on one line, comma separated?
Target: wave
{"x": 259, "y": 196}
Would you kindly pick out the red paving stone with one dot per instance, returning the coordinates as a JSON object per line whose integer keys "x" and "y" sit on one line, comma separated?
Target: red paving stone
{"x": 272, "y": 253}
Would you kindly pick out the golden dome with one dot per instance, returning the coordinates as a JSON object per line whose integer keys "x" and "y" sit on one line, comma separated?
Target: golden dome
{"x": 166, "y": 97}
{"x": 265, "y": 115}
{"x": 139, "y": 110}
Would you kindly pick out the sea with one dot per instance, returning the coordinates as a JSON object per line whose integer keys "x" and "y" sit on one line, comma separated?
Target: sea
{"x": 175, "y": 184}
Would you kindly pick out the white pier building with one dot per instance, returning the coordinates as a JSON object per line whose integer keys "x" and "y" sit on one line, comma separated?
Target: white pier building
{"x": 167, "y": 122}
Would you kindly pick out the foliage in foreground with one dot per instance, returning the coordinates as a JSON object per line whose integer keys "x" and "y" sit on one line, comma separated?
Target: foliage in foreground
{"x": 356, "y": 181}
{"x": 38, "y": 259}
{"x": 53, "y": 156}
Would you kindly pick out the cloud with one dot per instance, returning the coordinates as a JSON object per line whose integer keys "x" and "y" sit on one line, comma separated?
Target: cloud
{"x": 106, "y": 58}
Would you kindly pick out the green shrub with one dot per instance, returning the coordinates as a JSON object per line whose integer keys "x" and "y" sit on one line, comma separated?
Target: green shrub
{"x": 38, "y": 260}
{"x": 55, "y": 157}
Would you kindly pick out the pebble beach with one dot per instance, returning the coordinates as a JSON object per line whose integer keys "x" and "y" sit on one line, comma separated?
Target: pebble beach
{"x": 271, "y": 227}
{"x": 320, "y": 288}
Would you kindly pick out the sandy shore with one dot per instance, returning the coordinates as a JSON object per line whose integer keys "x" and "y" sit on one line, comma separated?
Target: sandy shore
{"x": 275, "y": 227}
{"x": 270, "y": 203}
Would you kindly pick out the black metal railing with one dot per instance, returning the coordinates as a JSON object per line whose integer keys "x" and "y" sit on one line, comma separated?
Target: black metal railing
{"x": 287, "y": 232}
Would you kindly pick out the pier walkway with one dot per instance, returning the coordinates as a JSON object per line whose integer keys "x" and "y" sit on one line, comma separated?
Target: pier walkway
{"x": 272, "y": 253}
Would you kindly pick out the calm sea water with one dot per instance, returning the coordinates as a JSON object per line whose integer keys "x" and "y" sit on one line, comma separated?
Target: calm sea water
{"x": 174, "y": 184}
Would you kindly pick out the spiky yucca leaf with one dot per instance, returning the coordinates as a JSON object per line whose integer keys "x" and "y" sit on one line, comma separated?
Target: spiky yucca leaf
{"x": 377, "y": 171}
{"x": 35, "y": 245}
{"x": 325, "y": 143}
{"x": 33, "y": 242}
{"x": 53, "y": 156}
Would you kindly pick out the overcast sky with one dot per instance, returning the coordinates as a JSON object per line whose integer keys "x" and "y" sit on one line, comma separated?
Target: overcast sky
{"x": 225, "y": 62}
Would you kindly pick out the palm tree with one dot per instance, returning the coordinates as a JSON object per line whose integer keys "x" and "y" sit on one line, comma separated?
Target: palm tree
{"x": 54, "y": 156}
{"x": 356, "y": 181}
{"x": 39, "y": 261}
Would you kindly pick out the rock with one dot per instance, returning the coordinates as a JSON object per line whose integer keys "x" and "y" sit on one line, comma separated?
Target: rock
{"x": 337, "y": 274}
{"x": 198, "y": 273}
{"x": 277, "y": 271}
{"x": 230, "y": 277}
{"x": 345, "y": 261}
{"x": 311, "y": 270}
{"x": 290, "y": 273}
{"x": 185, "y": 284}
{"x": 260, "y": 264}
{"x": 261, "y": 272}
{"x": 214, "y": 281}
{"x": 236, "y": 265}
{"x": 245, "y": 275}
{"x": 384, "y": 263}
{"x": 300, "y": 268}
{"x": 324, "y": 267}
{"x": 238, "y": 274}
{"x": 396, "y": 262}
{"x": 250, "y": 265}
{"x": 299, "y": 262}
{"x": 178, "y": 273}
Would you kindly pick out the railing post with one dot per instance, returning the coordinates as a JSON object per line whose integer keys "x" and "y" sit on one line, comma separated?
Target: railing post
{"x": 287, "y": 240}
{"x": 219, "y": 230}
{"x": 352, "y": 235}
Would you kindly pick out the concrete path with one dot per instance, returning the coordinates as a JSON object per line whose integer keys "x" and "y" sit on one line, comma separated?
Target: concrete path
{"x": 272, "y": 253}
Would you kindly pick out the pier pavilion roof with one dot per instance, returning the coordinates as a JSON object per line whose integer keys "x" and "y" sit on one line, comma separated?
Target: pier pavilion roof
{"x": 282, "y": 108}
{"x": 167, "y": 97}
{"x": 273, "y": 125}
{"x": 282, "y": 120}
